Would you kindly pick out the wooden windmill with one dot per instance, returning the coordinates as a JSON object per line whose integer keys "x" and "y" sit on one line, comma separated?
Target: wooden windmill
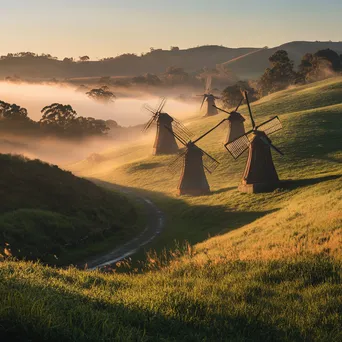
{"x": 193, "y": 162}
{"x": 165, "y": 143}
{"x": 236, "y": 126}
{"x": 260, "y": 174}
{"x": 209, "y": 100}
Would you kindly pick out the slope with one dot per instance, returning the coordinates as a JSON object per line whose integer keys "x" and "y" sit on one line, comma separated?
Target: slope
{"x": 50, "y": 214}
{"x": 311, "y": 140}
{"x": 272, "y": 272}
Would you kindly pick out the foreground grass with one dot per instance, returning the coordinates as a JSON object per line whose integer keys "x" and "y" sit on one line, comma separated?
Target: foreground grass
{"x": 294, "y": 300}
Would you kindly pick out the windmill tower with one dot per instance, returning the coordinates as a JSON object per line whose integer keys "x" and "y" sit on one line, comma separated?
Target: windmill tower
{"x": 165, "y": 143}
{"x": 209, "y": 100}
{"x": 236, "y": 126}
{"x": 260, "y": 174}
{"x": 193, "y": 162}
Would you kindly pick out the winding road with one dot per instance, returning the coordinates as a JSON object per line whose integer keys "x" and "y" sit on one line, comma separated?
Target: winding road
{"x": 154, "y": 226}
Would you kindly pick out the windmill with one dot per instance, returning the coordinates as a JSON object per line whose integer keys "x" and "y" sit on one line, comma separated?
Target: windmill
{"x": 209, "y": 98}
{"x": 236, "y": 121}
{"x": 260, "y": 174}
{"x": 193, "y": 162}
{"x": 165, "y": 143}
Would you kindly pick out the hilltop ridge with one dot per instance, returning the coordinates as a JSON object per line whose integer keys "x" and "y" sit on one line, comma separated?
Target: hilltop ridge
{"x": 246, "y": 62}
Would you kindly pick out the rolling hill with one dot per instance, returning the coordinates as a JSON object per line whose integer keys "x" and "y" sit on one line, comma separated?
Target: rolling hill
{"x": 253, "y": 64}
{"x": 257, "y": 267}
{"x": 52, "y": 215}
{"x": 125, "y": 65}
{"x": 244, "y": 62}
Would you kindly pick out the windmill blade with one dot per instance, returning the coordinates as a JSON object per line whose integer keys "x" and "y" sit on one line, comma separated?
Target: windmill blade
{"x": 204, "y": 97}
{"x": 206, "y": 133}
{"x": 276, "y": 149}
{"x": 162, "y": 104}
{"x": 239, "y": 145}
{"x": 222, "y": 110}
{"x": 149, "y": 108}
{"x": 149, "y": 123}
{"x": 177, "y": 163}
{"x": 268, "y": 142}
{"x": 181, "y": 130}
{"x": 270, "y": 126}
{"x": 184, "y": 142}
{"x": 209, "y": 162}
{"x": 249, "y": 109}
{"x": 238, "y": 106}
{"x": 208, "y": 84}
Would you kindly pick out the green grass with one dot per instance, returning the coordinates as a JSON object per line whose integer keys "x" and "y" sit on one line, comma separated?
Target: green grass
{"x": 270, "y": 271}
{"x": 311, "y": 140}
{"x": 51, "y": 215}
{"x": 291, "y": 300}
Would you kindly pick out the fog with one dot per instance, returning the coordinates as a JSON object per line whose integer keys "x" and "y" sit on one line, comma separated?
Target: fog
{"x": 127, "y": 110}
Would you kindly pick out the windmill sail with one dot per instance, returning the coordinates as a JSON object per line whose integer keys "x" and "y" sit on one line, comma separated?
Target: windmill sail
{"x": 270, "y": 126}
{"x": 209, "y": 163}
{"x": 149, "y": 123}
{"x": 181, "y": 130}
{"x": 177, "y": 164}
{"x": 238, "y": 146}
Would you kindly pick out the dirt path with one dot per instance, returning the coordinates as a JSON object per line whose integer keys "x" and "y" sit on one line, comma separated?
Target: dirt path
{"x": 154, "y": 226}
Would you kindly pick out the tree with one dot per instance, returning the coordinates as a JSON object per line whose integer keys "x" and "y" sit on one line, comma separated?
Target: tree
{"x": 68, "y": 60}
{"x": 105, "y": 80}
{"x": 112, "y": 124}
{"x": 84, "y": 58}
{"x": 101, "y": 94}
{"x": 57, "y": 116}
{"x": 331, "y": 56}
{"x": 174, "y": 48}
{"x": 231, "y": 95}
{"x": 176, "y": 75}
{"x": 318, "y": 66}
{"x": 279, "y": 76}
{"x": 149, "y": 79}
{"x": 13, "y": 79}
{"x": 87, "y": 126}
{"x": 12, "y": 112}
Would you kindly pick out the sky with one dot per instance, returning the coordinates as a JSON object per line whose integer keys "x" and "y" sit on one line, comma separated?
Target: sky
{"x": 104, "y": 28}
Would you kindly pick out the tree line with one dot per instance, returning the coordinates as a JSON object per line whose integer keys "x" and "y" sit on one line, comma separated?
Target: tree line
{"x": 281, "y": 74}
{"x": 57, "y": 119}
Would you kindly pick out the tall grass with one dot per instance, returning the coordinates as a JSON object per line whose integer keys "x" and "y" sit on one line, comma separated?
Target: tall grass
{"x": 297, "y": 299}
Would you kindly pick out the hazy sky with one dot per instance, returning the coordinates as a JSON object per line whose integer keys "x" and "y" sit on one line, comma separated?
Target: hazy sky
{"x": 102, "y": 28}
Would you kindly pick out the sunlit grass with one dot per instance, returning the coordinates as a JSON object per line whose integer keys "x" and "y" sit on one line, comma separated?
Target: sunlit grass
{"x": 271, "y": 270}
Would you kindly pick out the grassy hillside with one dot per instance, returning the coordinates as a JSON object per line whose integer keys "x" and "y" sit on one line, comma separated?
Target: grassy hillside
{"x": 271, "y": 271}
{"x": 311, "y": 140}
{"x": 46, "y": 213}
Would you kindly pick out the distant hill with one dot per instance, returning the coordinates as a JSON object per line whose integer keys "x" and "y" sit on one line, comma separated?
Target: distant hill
{"x": 244, "y": 62}
{"x": 253, "y": 64}
{"x": 45, "y": 210}
{"x": 125, "y": 65}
